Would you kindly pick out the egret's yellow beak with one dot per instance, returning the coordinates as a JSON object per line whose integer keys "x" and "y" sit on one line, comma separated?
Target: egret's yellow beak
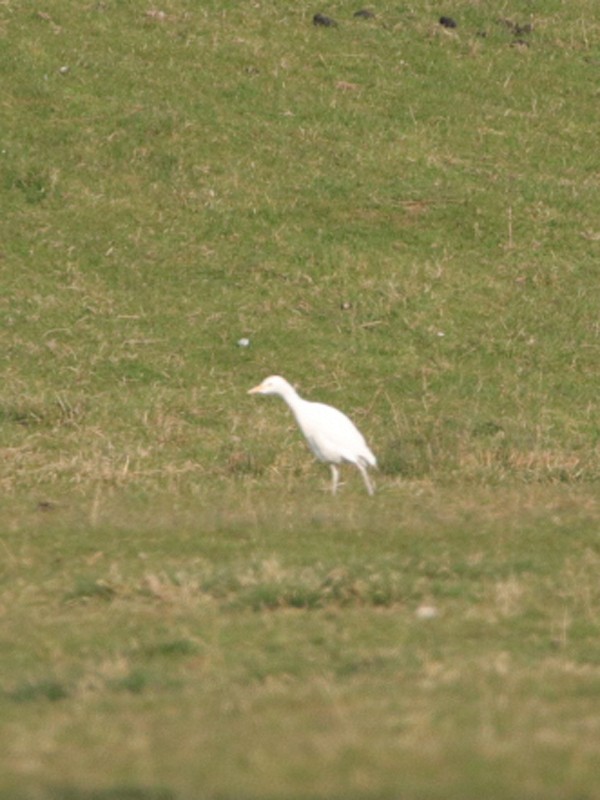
{"x": 255, "y": 389}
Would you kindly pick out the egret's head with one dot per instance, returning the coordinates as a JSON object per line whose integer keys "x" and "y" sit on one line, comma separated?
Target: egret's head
{"x": 274, "y": 384}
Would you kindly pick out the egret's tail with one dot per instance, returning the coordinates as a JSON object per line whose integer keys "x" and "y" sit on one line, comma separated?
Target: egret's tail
{"x": 367, "y": 459}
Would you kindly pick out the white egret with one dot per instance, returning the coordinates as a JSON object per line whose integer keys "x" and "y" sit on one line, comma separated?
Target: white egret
{"x": 331, "y": 436}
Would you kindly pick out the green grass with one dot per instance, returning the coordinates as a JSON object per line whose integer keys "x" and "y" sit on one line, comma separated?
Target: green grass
{"x": 403, "y": 220}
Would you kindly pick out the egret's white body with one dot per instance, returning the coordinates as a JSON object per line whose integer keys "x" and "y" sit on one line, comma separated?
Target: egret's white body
{"x": 332, "y": 437}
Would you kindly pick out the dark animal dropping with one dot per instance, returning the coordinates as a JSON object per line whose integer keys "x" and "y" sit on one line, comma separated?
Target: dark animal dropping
{"x": 327, "y": 22}
{"x": 448, "y": 22}
{"x": 523, "y": 30}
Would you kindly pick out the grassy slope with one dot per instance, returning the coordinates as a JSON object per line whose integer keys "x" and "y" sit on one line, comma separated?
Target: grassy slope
{"x": 403, "y": 220}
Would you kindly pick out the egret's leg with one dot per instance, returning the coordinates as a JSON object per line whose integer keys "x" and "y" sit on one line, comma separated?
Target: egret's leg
{"x": 335, "y": 475}
{"x": 366, "y": 479}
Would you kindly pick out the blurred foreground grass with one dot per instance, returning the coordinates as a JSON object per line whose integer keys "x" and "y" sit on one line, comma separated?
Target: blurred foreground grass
{"x": 254, "y": 647}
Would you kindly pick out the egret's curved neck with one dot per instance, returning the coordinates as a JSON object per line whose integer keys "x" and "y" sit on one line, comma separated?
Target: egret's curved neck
{"x": 291, "y": 397}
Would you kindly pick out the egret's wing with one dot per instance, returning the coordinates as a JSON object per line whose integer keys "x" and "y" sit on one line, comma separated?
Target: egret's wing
{"x": 332, "y": 436}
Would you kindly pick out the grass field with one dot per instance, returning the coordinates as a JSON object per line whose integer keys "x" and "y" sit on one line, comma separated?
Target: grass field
{"x": 403, "y": 219}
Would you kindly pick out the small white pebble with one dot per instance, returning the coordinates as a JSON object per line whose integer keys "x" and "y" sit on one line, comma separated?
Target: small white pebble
{"x": 426, "y": 612}
{"x": 64, "y": 69}
{"x": 243, "y": 342}
{"x": 441, "y": 333}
